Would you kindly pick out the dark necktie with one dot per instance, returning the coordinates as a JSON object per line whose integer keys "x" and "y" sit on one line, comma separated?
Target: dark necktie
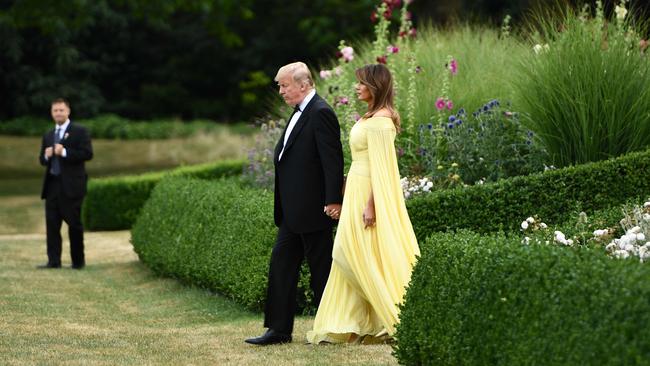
{"x": 55, "y": 167}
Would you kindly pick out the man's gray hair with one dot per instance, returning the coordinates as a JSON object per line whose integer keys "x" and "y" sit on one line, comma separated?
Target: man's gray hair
{"x": 299, "y": 71}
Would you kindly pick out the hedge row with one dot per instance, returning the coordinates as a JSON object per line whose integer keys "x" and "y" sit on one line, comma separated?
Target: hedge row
{"x": 114, "y": 127}
{"x": 489, "y": 300}
{"x": 114, "y": 203}
{"x": 553, "y": 195}
{"x": 215, "y": 234}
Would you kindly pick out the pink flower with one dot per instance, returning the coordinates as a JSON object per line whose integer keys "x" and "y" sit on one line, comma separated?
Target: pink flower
{"x": 347, "y": 53}
{"x": 450, "y": 104}
{"x": 440, "y": 104}
{"x": 418, "y": 69}
{"x": 373, "y": 16}
{"x": 392, "y": 49}
{"x": 344, "y": 100}
{"x": 381, "y": 60}
{"x": 325, "y": 74}
{"x": 356, "y": 116}
{"x": 409, "y": 16}
{"x": 412, "y": 32}
{"x": 453, "y": 66}
{"x": 402, "y": 34}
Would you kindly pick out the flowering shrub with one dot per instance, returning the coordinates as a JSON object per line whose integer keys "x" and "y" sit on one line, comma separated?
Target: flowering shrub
{"x": 634, "y": 242}
{"x": 260, "y": 170}
{"x": 487, "y": 145}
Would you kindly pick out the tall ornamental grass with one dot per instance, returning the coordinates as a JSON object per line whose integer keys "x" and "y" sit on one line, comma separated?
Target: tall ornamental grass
{"x": 585, "y": 86}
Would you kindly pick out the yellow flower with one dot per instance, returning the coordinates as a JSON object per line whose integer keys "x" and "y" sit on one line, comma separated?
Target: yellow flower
{"x": 454, "y": 165}
{"x": 440, "y": 167}
{"x": 455, "y": 177}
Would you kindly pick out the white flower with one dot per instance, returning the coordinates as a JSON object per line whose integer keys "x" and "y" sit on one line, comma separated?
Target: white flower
{"x": 610, "y": 247}
{"x": 338, "y": 71}
{"x": 426, "y": 188}
{"x": 543, "y": 225}
{"x": 640, "y": 237}
{"x": 537, "y": 48}
{"x": 600, "y": 232}
{"x": 621, "y": 254}
{"x": 526, "y": 240}
{"x": 634, "y": 230}
{"x": 429, "y": 185}
{"x": 568, "y": 242}
{"x": 621, "y": 12}
{"x": 646, "y": 204}
{"x": 630, "y": 248}
{"x": 524, "y": 225}
{"x": 646, "y": 217}
{"x": 530, "y": 220}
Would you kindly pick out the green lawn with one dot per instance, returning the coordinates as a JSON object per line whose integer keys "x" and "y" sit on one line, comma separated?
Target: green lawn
{"x": 116, "y": 312}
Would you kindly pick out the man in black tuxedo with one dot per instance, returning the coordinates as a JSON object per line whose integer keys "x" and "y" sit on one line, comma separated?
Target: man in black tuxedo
{"x": 308, "y": 183}
{"x": 64, "y": 151}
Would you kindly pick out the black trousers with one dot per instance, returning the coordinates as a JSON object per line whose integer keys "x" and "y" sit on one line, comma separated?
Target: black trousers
{"x": 59, "y": 208}
{"x": 289, "y": 250}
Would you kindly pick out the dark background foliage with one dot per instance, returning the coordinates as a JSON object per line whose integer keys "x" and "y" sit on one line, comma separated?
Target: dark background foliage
{"x": 185, "y": 58}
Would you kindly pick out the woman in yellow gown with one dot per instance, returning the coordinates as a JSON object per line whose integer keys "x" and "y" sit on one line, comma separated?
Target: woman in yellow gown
{"x": 375, "y": 247}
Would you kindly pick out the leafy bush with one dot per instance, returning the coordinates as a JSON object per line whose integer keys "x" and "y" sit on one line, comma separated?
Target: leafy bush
{"x": 486, "y": 145}
{"x": 114, "y": 203}
{"x": 114, "y": 127}
{"x": 215, "y": 234}
{"x": 552, "y": 195}
{"x": 490, "y": 300}
{"x": 587, "y": 90}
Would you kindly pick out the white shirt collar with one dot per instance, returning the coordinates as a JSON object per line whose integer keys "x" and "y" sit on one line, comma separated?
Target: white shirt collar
{"x": 64, "y": 126}
{"x": 307, "y": 99}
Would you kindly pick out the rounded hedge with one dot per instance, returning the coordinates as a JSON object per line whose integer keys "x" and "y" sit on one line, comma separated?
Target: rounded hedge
{"x": 553, "y": 195}
{"x": 490, "y": 300}
{"x": 114, "y": 203}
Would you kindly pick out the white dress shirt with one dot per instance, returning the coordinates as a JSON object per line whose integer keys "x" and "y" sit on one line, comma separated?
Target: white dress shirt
{"x": 295, "y": 118}
{"x": 62, "y": 129}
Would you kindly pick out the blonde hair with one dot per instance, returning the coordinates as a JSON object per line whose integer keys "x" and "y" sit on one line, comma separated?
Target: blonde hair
{"x": 380, "y": 84}
{"x": 298, "y": 71}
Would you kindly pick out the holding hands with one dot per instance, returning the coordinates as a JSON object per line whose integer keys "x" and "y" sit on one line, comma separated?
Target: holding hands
{"x": 333, "y": 210}
{"x": 48, "y": 152}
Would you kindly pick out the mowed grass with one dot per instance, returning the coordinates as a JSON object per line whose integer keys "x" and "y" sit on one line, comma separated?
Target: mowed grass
{"x": 116, "y": 312}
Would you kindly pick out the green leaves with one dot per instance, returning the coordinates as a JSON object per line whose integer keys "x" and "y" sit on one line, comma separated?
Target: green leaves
{"x": 489, "y": 300}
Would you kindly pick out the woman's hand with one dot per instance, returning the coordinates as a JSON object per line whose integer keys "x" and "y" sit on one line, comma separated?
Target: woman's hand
{"x": 369, "y": 215}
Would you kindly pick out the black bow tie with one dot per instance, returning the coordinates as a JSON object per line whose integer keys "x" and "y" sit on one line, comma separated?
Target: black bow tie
{"x": 296, "y": 109}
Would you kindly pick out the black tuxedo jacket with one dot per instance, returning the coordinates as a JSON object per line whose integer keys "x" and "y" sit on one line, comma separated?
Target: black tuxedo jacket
{"x": 310, "y": 173}
{"x": 76, "y": 141}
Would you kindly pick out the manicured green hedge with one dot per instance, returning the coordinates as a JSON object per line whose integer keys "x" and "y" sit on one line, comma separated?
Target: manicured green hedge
{"x": 553, "y": 195}
{"x": 110, "y": 126}
{"x": 114, "y": 203}
{"x": 489, "y": 300}
{"x": 214, "y": 234}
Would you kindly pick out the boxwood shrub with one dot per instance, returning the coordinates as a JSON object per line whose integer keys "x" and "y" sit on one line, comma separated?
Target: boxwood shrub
{"x": 553, "y": 195}
{"x": 489, "y": 300}
{"x": 114, "y": 203}
{"x": 214, "y": 234}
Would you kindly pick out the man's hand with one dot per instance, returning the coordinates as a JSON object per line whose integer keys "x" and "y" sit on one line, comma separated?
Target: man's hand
{"x": 369, "y": 216}
{"x": 48, "y": 152}
{"x": 333, "y": 210}
{"x": 58, "y": 149}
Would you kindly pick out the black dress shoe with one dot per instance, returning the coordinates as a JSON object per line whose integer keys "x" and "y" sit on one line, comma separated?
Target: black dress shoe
{"x": 270, "y": 337}
{"x": 48, "y": 266}
{"x": 78, "y": 266}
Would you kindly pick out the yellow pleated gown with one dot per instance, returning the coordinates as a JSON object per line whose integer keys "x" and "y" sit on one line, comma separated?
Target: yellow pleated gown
{"x": 371, "y": 266}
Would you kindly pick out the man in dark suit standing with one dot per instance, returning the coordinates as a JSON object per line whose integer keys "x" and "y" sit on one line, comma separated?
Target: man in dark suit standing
{"x": 308, "y": 183}
{"x": 64, "y": 151}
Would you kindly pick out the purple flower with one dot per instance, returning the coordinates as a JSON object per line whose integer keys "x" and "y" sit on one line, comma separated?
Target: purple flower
{"x": 430, "y": 126}
{"x": 452, "y": 118}
{"x": 450, "y": 126}
{"x": 459, "y": 122}
{"x": 418, "y": 69}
